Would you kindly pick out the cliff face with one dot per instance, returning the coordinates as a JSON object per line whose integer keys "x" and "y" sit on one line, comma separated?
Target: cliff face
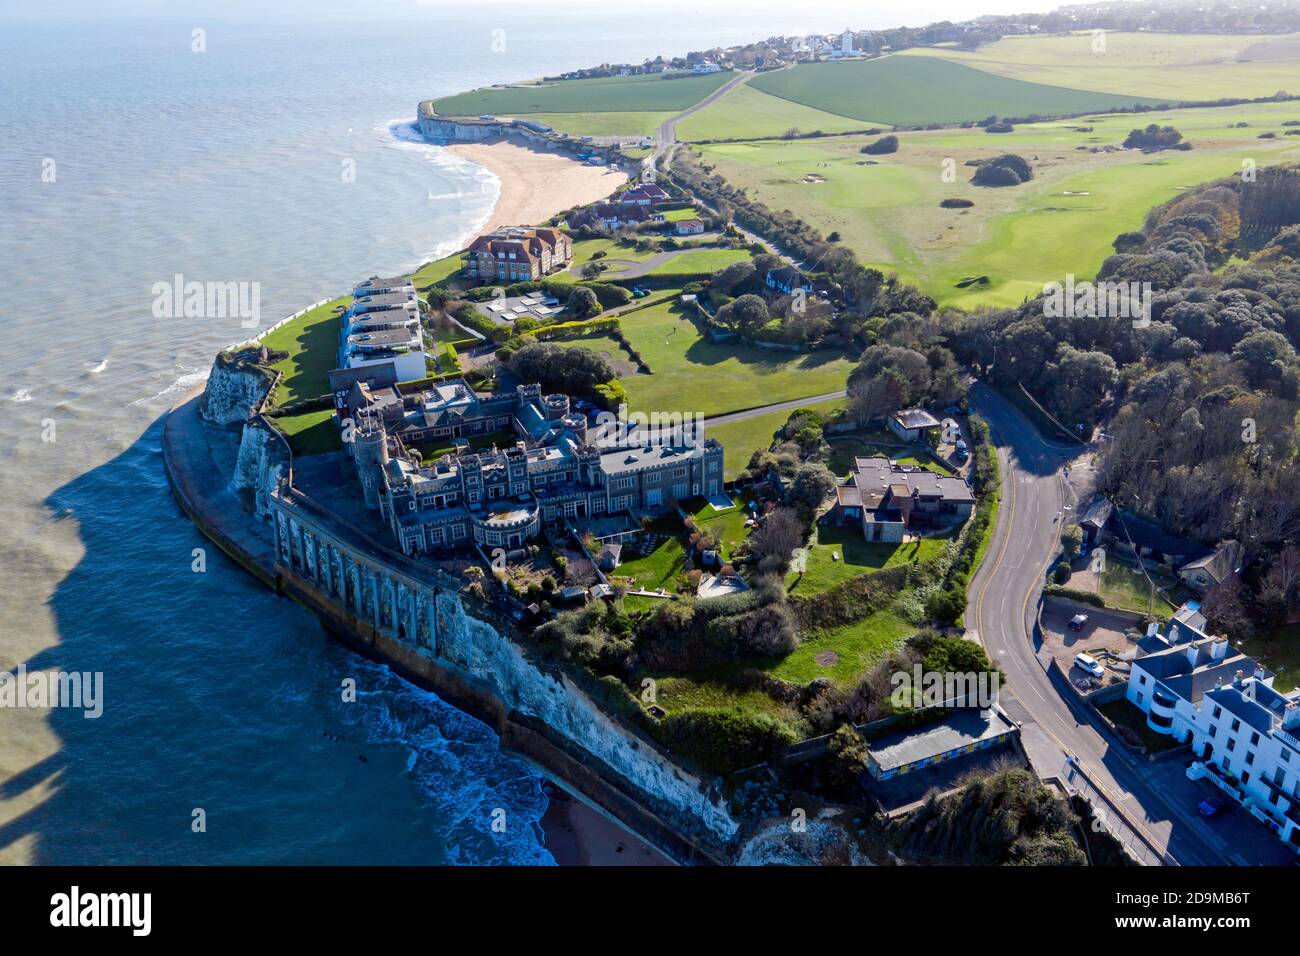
{"x": 233, "y": 389}
{"x": 477, "y": 648}
{"x": 261, "y": 464}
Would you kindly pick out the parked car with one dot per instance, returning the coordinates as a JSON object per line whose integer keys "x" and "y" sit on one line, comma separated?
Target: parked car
{"x": 1077, "y": 622}
{"x": 962, "y": 451}
{"x": 1211, "y": 806}
{"x": 1090, "y": 664}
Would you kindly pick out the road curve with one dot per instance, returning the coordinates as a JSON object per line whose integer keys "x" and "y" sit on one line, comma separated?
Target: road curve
{"x": 666, "y": 135}
{"x": 1003, "y": 609}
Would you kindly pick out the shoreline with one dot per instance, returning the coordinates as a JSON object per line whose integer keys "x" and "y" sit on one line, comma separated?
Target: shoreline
{"x": 536, "y": 184}
{"x": 575, "y": 834}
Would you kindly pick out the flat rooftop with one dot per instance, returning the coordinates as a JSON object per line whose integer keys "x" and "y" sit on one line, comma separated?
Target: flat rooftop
{"x": 962, "y": 728}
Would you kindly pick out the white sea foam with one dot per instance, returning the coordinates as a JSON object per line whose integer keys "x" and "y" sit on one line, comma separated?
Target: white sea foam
{"x": 100, "y": 367}
{"x": 186, "y": 381}
{"x": 22, "y": 395}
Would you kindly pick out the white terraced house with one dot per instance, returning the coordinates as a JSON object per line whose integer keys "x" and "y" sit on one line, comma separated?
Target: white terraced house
{"x": 383, "y": 326}
{"x": 1201, "y": 690}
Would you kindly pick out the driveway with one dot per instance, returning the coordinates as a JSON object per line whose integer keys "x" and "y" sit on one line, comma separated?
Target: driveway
{"x": 1104, "y": 631}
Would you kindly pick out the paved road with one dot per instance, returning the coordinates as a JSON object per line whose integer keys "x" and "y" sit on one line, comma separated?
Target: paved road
{"x": 1035, "y": 494}
{"x": 666, "y": 135}
{"x": 791, "y": 405}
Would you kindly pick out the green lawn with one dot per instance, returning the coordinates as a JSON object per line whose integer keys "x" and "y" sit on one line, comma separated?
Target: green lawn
{"x": 916, "y": 90}
{"x": 677, "y": 215}
{"x": 701, "y": 261}
{"x": 715, "y": 689}
{"x": 627, "y": 124}
{"x": 693, "y": 375}
{"x": 1186, "y": 67}
{"x": 847, "y": 447}
{"x": 440, "y": 270}
{"x": 1127, "y": 588}
{"x": 822, "y": 570}
{"x": 886, "y": 208}
{"x": 585, "y": 249}
{"x": 856, "y": 647}
{"x": 659, "y": 568}
{"x": 311, "y": 433}
{"x": 312, "y": 342}
{"x": 433, "y": 450}
{"x": 616, "y": 94}
{"x": 741, "y": 439}
{"x": 728, "y": 524}
{"x": 746, "y": 112}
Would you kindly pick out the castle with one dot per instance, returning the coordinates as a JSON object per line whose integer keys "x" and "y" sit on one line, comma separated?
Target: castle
{"x": 559, "y": 467}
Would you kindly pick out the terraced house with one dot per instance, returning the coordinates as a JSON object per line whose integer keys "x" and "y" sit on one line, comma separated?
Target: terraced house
{"x": 1202, "y": 691}
{"x": 503, "y": 496}
{"x": 518, "y": 254}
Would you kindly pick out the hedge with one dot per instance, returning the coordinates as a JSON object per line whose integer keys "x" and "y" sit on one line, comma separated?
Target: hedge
{"x": 1074, "y": 594}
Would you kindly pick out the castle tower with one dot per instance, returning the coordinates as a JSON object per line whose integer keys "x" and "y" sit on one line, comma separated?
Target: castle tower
{"x": 370, "y": 452}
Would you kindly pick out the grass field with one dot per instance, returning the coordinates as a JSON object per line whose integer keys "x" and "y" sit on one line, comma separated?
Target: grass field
{"x": 434, "y": 272}
{"x": 746, "y": 112}
{"x": 855, "y": 647}
{"x": 841, "y": 554}
{"x": 608, "y": 106}
{"x": 585, "y": 249}
{"x": 631, "y": 123}
{"x": 909, "y": 90}
{"x": 311, "y": 433}
{"x": 741, "y": 439}
{"x": 1179, "y": 68}
{"x": 694, "y": 375}
{"x": 887, "y": 208}
{"x": 700, "y": 261}
{"x": 659, "y": 568}
{"x": 312, "y": 342}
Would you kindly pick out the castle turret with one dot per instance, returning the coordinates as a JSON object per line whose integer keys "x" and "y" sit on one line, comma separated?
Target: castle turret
{"x": 370, "y": 453}
{"x": 556, "y": 407}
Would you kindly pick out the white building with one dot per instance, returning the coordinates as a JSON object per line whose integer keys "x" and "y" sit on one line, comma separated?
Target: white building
{"x": 1201, "y": 690}
{"x": 383, "y": 326}
{"x": 846, "y": 44}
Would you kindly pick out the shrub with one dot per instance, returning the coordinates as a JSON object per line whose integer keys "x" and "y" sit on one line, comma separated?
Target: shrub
{"x": 1005, "y": 170}
{"x": 882, "y": 146}
{"x": 724, "y": 741}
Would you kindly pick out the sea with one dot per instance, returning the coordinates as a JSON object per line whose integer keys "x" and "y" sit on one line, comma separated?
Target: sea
{"x": 136, "y": 152}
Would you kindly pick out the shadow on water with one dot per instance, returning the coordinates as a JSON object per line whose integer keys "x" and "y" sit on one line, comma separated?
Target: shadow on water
{"x": 221, "y": 697}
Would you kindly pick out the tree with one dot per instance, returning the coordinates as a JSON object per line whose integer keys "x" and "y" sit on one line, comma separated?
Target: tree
{"x": 775, "y": 539}
{"x": 1266, "y": 355}
{"x": 1224, "y": 607}
{"x": 745, "y": 313}
{"x": 1071, "y": 540}
{"x": 583, "y": 304}
{"x": 882, "y": 146}
{"x": 813, "y": 484}
{"x": 873, "y": 399}
{"x": 558, "y": 368}
{"x": 735, "y": 279}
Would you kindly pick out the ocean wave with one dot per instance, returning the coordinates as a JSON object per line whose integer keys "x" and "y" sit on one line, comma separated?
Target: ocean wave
{"x": 186, "y": 381}
{"x": 458, "y": 765}
{"x": 98, "y": 368}
{"x": 22, "y": 395}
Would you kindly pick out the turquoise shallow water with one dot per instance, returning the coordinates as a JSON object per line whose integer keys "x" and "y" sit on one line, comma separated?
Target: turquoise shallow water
{"x": 222, "y": 166}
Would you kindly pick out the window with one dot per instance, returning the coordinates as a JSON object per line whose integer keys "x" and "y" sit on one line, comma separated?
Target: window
{"x": 1213, "y": 730}
{"x": 1285, "y": 755}
{"x": 457, "y": 532}
{"x": 1236, "y": 726}
{"x": 1142, "y": 680}
{"x": 1245, "y": 777}
{"x": 1254, "y": 740}
{"x": 1227, "y": 765}
{"x": 1232, "y": 744}
{"x": 1218, "y": 711}
{"x": 1250, "y": 758}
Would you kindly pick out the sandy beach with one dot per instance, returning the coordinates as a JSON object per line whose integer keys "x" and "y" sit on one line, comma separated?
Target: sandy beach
{"x": 536, "y": 184}
{"x": 577, "y": 835}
